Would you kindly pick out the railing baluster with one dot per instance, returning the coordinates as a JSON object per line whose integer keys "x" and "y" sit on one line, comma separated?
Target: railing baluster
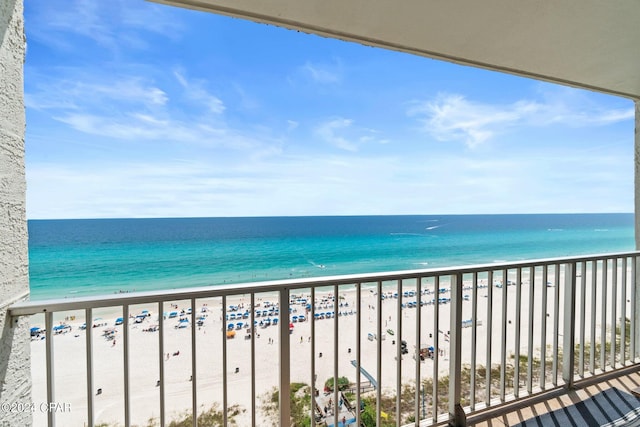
{"x": 48, "y": 324}
{"x": 125, "y": 336}
{"x": 474, "y": 338}
{"x": 583, "y": 307}
{"x": 161, "y": 361}
{"x": 194, "y": 372}
{"x": 543, "y": 332}
{"x": 634, "y": 308}
{"x": 285, "y": 359}
{"x": 532, "y": 295}
{"x": 503, "y": 336}
{"x": 399, "y": 353}
{"x": 603, "y": 333}
{"x": 336, "y": 407}
{"x": 456, "y": 413}
{"x": 623, "y": 313}
{"x": 419, "y": 385}
{"x": 556, "y": 321}
{"x": 614, "y": 318}
{"x": 594, "y": 287}
{"x": 518, "y": 308}
{"x": 436, "y": 347}
{"x": 569, "y": 328}
{"x": 225, "y": 402}
{"x": 487, "y": 399}
{"x": 253, "y": 361}
{"x": 88, "y": 317}
{"x": 358, "y": 350}
{"x": 379, "y": 353}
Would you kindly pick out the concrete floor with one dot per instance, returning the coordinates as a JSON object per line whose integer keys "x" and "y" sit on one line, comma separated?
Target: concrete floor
{"x": 628, "y": 382}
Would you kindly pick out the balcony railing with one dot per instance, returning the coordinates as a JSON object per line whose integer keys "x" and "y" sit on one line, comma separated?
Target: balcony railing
{"x": 418, "y": 347}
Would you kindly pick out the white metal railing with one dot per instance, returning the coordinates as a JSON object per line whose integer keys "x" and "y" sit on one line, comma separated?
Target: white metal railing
{"x": 445, "y": 344}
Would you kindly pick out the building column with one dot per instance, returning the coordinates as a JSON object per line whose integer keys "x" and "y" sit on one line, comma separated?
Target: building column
{"x": 15, "y": 363}
{"x": 636, "y": 282}
{"x": 637, "y": 174}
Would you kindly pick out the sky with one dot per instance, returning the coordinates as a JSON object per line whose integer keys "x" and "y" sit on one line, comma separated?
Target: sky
{"x": 136, "y": 109}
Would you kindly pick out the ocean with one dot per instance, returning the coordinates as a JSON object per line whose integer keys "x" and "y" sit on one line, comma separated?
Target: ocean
{"x": 70, "y": 258}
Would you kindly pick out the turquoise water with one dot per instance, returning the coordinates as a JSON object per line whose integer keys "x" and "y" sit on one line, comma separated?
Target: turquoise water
{"x": 89, "y": 257}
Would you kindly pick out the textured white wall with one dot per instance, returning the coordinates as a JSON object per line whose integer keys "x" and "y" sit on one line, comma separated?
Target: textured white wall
{"x": 15, "y": 373}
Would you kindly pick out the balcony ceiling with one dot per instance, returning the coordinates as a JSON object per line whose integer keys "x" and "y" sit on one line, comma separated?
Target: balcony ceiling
{"x": 592, "y": 44}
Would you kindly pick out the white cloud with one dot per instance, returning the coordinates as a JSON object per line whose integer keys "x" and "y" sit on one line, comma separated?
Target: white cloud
{"x": 342, "y": 133}
{"x": 133, "y": 108}
{"x": 323, "y": 184}
{"x": 196, "y": 90}
{"x": 452, "y": 117}
{"x": 330, "y": 132}
{"x": 52, "y": 21}
{"x": 323, "y": 73}
{"x": 80, "y": 92}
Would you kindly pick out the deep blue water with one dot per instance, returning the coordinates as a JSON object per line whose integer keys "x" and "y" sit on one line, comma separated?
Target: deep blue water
{"x": 85, "y": 257}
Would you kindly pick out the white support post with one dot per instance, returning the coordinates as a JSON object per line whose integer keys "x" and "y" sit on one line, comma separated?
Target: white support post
{"x": 456, "y": 413}
{"x": 569, "y": 329}
{"x": 285, "y": 360}
{"x": 636, "y": 279}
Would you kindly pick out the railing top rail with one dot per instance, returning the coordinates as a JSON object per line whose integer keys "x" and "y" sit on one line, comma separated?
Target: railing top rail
{"x": 68, "y": 304}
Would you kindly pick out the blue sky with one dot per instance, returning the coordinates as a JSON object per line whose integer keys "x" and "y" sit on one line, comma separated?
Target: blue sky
{"x": 136, "y": 109}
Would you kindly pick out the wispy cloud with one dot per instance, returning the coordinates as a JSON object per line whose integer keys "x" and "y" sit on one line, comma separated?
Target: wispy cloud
{"x": 330, "y": 132}
{"x": 95, "y": 21}
{"x": 196, "y": 91}
{"x": 323, "y": 73}
{"x": 132, "y": 108}
{"x": 74, "y": 93}
{"x": 342, "y": 133}
{"x": 453, "y": 117}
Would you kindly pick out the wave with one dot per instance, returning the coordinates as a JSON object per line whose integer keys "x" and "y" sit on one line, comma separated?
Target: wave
{"x": 555, "y": 229}
{"x": 433, "y": 227}
{"x": 405, "y": 234}
{"x": 601, "y": 229}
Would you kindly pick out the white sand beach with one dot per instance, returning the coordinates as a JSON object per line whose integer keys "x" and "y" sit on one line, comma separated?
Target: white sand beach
{"x": 144, "y": 355}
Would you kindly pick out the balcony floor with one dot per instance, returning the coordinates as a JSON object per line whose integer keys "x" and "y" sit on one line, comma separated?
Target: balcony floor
{"x": 626, "y": 383}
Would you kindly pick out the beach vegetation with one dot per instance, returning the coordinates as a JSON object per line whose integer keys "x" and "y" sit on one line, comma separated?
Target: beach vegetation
{"x": 207, "y": 417}
{"x": 343, "y": 384}
{"x": 210, "y": 417}
{"x": 598, "y": 351}
{"x": 300, "y": 404}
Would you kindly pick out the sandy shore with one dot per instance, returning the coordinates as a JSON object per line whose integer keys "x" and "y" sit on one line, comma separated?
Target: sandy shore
{"x": 70, "y": 352}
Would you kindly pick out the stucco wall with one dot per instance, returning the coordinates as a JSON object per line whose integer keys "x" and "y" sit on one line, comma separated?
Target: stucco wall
{"x": 15, "y": 375}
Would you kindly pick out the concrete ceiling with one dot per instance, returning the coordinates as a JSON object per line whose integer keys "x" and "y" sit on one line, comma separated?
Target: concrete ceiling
{"x": 592, "y": 44}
